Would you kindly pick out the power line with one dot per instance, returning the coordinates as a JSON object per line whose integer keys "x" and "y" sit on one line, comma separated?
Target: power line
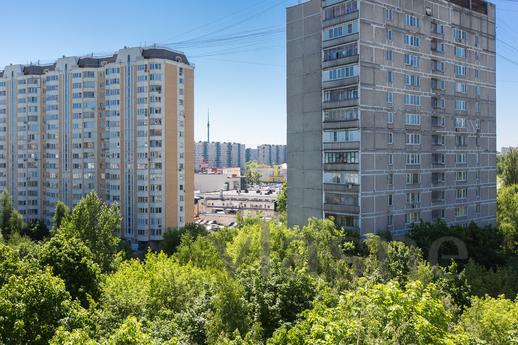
{"x": 507, "y": 44}
{"x": 220, "y": 19}
{"x": 243, "y": 20}
{"x": 247, "y": 18}
{"x": 507, "y": 59}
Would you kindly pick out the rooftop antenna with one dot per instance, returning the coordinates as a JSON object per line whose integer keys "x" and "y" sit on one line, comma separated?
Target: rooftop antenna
{"x": 208, "y": 125}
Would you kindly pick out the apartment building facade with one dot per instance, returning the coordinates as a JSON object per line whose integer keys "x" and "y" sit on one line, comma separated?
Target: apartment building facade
{"x": 120, "y": 125}
{"x": 391, "y": 112}
{"x": 271, "y": 154}
{"x": 217, "y": 154}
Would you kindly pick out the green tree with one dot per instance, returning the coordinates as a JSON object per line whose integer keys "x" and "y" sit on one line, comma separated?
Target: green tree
{"x": 9, "y": 263}
{"x": 507, "y": 216}
{"x": 484, "y": 244}
{"x": 97, "y": 225}
{"x": 15, "y": 223}
{"x": 172, "y": 237}
{"x": 253, "y": 177}
{"x": 72, "y": 261}
{"x": 282, "y": 199}
{"x": 6, "y": 210}
{"x": 60, "y": 214}
{"x": 31, "y": 306}
{"x": 36, "y": 230}
{"x": 494, "y": 282}
{"x": 276, "y": 297}
{"x": 374, "y": 314}
{"x": 130, "y": 333}
{"x": 507, "y": 166}
{"x": 492, "y": 320}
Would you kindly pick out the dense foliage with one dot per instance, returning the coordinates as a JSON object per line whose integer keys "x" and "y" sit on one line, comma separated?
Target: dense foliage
{"x": 507, "y": 167}
{"x": 261, "y": 283}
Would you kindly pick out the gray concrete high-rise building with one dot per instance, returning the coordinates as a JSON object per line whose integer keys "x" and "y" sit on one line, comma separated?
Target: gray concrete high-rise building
{"x": 391, "y": 112}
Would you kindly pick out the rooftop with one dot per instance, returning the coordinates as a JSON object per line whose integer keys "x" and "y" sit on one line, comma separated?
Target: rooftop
{"x": 96, "y": 62}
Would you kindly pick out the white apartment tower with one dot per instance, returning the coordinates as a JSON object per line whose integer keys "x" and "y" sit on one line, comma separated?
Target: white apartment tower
{"x": 120, "y": 125}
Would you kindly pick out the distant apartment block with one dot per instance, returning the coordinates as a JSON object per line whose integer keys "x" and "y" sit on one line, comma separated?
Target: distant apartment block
{"x": 391, "y": 112}
{"x": 252, "y": 154}
{"x": 271, "y": 154}
{"x": 506, "y": 150}
{"x": 120, "y": 125}
{"x": 210, "y": 155}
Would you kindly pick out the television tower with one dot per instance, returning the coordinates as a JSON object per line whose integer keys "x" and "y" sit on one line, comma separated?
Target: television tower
{"x": 208, "y": 125}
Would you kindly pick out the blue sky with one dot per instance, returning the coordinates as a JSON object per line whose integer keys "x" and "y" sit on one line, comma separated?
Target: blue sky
{"x": 242, "y": 81}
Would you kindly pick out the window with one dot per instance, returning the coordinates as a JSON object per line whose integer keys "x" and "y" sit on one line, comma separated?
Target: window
{"x": 389, "y": 55}
{"x": 460, "y": 87}
{"x": 340, "y": 177}
{"x": 341, "y": 30}
{"x": 341, "y": 199}
{"x": 460, "y": 140}
{"x": 460, "y": 104}
{"x": 412, "y": 217}
{"x": 461, "y": 176}
{"x": 344, "y": 221}
{"x": 341, "y": 114}
{"x": 338, "y": 95}
{"x": 390, "y": 97}
{"x": 412, "y": 80}
{"x": 390, "y": 179}
{"x": 341, "y": 52}
{"x": 438, "y": 103}
{"x": 438, "y": 84}
{"x": 412, "y": 40}
{"x": 412, "y": 178}
{"x": 341, "y": 136}
{"x": 460, "y": 122}
{"x": 413, "y": 158}
{"x": 460, "y": 211}
{"x": 437, "y": 28}
{"x": 342, "y": 157}
{"x": 460, "y": 52}
{"x": 340, "y": 73}
{"x": 389, "y": 220}
{"x": 389, "y": 76}
{"x": 390, "y": 117}
{"x": 412, "y": 119}
{"x": 390, "y": 200}
{"x": 412, "y": 100}
{"x": 437, "y": 46}
{"x": 411, "y": 20}
{"x": 477, "y": 90}
{"x": 438, "y": 177}
{"x": 437, "y": 66}
{"x": 477, "y": 107}
{"x": 390, "y": 138}
{"x": 438, "y": 121}
{"x": 340, "y": 10}
{"x": 389, "y": 35}
{"x": 460, "y": 158}
{"x": 459, "y": 69}
{"x": 388, "y": 14}
{"x": 477, "y": 73}
{"x": 413, "y": 198}
{"x": 390, "y": 159}
{"x": 459, "y": 35}
{"x": 413, "y": 139}
{"x": 412, "y": 60}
